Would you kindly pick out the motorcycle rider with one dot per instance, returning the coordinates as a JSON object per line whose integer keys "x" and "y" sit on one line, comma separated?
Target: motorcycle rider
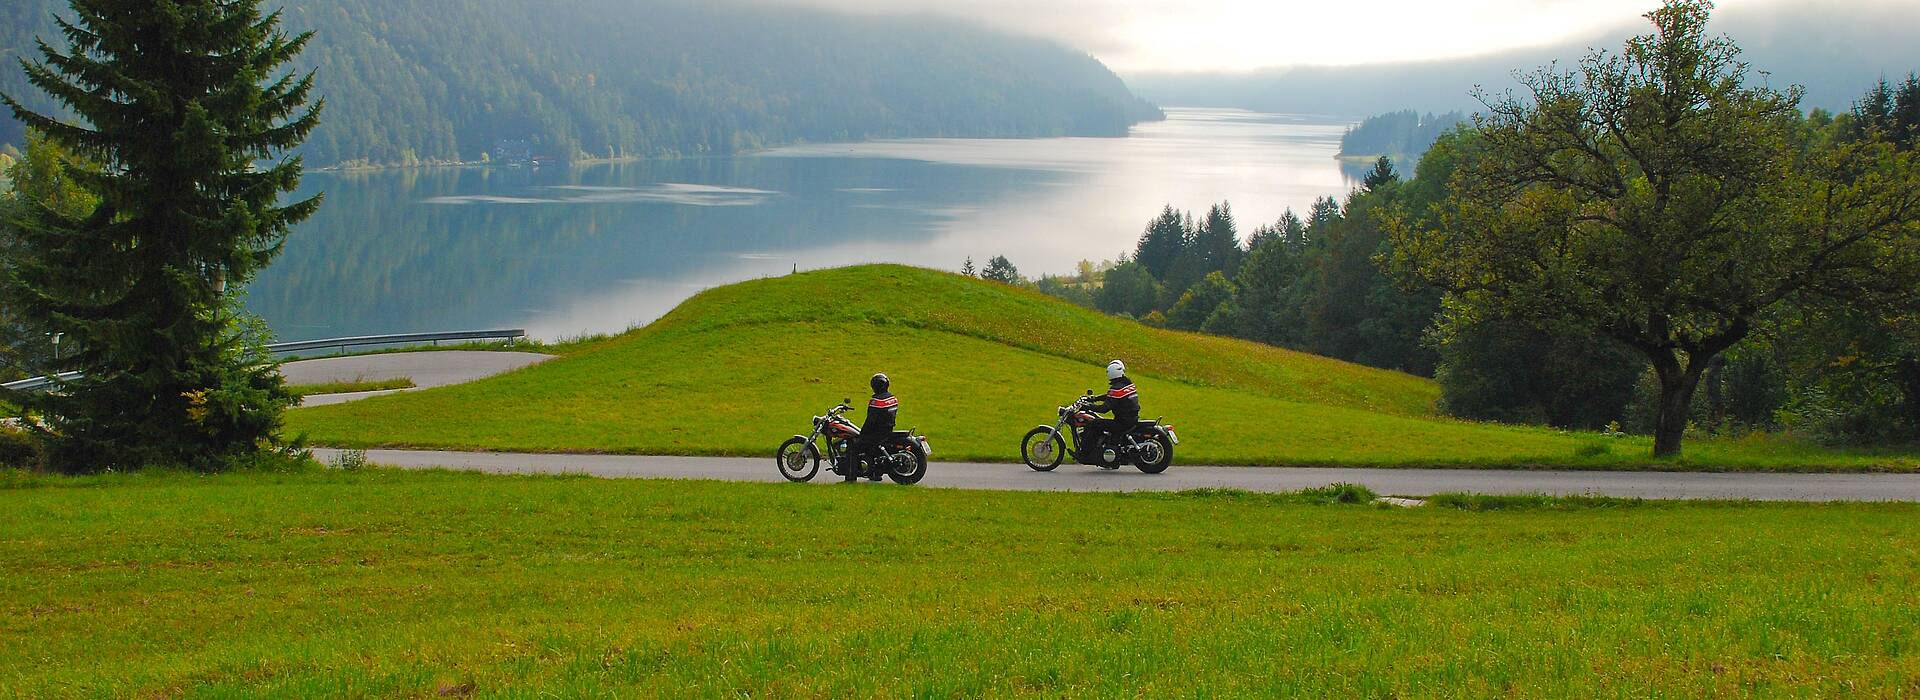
{"x": 1122, "y": 400}
{"x": 883, "y": 411}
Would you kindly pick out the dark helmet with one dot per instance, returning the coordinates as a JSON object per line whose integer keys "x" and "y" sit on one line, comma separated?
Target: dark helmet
{"x": 881, "y": 382}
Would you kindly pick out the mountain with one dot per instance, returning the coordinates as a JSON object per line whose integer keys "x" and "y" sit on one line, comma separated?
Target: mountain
{"x": 1837, "y": 51}
{"x": 419, "y": 80}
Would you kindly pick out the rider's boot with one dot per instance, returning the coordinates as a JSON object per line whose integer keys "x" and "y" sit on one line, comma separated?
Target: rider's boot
{"x": 850, "y": 469}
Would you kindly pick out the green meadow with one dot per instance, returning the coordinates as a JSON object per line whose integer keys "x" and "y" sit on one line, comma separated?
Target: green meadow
{"x": 380, "y": 583}
{"x": 737, "y": 369}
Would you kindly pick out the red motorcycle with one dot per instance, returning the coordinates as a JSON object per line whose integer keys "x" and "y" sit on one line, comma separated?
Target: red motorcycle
{"x": 902, "y": 457}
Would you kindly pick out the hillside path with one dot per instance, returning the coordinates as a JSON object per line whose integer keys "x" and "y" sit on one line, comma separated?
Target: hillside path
{"x": 427, "y": 369}
{"x": 1396, "y": 482}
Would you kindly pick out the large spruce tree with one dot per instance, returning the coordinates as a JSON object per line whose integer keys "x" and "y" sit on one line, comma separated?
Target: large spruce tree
{"x": 188, "y": 109}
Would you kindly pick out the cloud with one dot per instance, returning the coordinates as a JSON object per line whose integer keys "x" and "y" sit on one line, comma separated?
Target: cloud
{"x": 1135, "y": 36}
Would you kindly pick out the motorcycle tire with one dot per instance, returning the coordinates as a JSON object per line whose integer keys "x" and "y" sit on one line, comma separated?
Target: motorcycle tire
{"x": 1155, "y": 466}
{"x": 797, "y": 459}
{"x": 1053, "y": 449}
{"x": 917, "y": 472}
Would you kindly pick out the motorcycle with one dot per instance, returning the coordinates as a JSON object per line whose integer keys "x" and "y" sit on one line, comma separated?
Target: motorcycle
{"x": 1148, "y": 444}
{"x": 902, "y": 457}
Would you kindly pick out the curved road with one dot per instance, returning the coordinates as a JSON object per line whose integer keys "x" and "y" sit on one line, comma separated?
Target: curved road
{"x": 427, "y": 369}
{"x": 1397, "y": 482}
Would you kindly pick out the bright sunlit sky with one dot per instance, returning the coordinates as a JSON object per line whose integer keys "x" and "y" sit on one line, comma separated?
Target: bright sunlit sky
{"x": 1136, "y": 36}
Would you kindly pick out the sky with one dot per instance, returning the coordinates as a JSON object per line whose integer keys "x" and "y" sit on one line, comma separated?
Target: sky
{"x": 1162, "y": 36}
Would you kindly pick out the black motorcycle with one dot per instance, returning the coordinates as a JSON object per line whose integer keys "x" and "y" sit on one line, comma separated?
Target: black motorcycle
{"x": 1147, "y": 445}
{"x": 902, "y": 457}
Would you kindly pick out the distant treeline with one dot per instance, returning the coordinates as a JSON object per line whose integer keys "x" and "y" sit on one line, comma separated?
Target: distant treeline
{"x": 1403, "y": 136}
{"x": 1318, "y": 284}
{"x": 409, "y": 81}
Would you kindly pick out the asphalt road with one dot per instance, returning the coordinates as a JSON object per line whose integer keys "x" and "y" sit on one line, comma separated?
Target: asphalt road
{"x": 1397, "y": 482}
{"x": 426, "y": 369}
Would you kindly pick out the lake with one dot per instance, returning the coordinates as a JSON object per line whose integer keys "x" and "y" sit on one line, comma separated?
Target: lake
{"x": 604, "y": 247}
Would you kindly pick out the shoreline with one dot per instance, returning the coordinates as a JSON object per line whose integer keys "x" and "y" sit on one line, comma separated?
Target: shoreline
{"x": 433, "y": 165}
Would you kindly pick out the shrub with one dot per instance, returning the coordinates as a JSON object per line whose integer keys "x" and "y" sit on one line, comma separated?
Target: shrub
{"x": 18, "y": 449}
{"x": 1333, "y": 494}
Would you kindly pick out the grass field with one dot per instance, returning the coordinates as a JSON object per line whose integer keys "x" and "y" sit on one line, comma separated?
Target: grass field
{"x": 378, "y": 583}
{"x": 353, "y": 386}
{"x": 735, "y": 370}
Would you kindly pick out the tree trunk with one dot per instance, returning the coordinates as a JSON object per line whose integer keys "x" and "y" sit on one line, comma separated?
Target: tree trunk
{"x": 1676, "y": 399}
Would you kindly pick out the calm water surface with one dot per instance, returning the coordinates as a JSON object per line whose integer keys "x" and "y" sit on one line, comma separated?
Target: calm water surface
{"x": 597, "y": 248}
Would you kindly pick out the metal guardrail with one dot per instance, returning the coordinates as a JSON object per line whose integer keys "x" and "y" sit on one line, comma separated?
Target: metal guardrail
{"x": 42, "y": 383}
{"x": 396, "y": 339}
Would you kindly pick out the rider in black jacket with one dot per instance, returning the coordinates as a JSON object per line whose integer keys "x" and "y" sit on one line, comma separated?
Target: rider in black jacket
{"x": 883, "y": 411}
{"x": 1122, "y": 400}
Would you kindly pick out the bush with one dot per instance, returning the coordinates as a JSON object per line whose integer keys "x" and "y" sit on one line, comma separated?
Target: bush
{"x": 1333, "y": 494}
{"x": 18, "y": 449}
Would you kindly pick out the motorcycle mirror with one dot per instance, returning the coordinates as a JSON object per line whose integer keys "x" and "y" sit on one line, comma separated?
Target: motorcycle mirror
{"x": 1089, "y": 392}
{"x": 846, "y": 402}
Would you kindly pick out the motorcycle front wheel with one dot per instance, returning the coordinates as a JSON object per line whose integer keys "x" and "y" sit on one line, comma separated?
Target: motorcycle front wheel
{"x": 798, "y": 459}
{"x": 1042, "y": 449}
{"x": 913, "y": 474}
{"x": 1155, "y": 455}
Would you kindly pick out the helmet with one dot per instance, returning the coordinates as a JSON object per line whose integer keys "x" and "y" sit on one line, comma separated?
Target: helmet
{"x": 881, "y": 382}
{"x": 1116, "y": 369}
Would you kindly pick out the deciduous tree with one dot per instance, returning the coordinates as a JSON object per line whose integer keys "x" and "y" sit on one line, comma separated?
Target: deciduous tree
{"x": 1658, "y": 198}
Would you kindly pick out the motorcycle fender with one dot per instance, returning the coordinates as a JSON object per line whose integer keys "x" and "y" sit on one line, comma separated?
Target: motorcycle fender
{"x": 1175, "y": 439}
{"x": 809, "y": 443}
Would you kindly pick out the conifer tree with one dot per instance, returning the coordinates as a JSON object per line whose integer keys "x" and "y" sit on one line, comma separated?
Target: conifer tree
{"x": 178, "y": 101}
{"x": 1381, "y": 175}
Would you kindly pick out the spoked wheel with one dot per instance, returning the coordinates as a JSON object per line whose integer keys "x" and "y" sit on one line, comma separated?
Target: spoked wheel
{"x": 799, "y": 460}
{"x": 1042, "y": 449}
{"x": 1155, "y": 455}
{"x": 910, "y": 475}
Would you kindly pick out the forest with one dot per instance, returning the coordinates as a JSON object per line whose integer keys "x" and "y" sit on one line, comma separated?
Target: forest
{"x": 1403, "y": 136}
{"x": 408, "y": 82}
{"x": 1328, "y": 283}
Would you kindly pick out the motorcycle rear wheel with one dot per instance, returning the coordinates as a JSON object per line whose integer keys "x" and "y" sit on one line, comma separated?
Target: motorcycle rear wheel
{"x": 1044, "y": 454}
{"x": 1151, "y": 463}
{"x": 798, "y": 459}
{"x": 917, "y": 472}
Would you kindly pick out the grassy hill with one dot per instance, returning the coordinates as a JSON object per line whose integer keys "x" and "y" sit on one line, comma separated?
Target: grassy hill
{"x": 735, "y": 370}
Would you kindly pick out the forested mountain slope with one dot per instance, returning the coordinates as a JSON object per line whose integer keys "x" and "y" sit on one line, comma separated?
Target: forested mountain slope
{"x": 409, "y": 80}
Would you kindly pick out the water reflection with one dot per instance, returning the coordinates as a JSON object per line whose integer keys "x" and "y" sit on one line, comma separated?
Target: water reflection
{"x": 603, "y": 247}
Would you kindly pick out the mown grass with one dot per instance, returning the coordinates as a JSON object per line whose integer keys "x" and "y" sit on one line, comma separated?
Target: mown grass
{"x": 351, "y": 386}
{"x": 379, "y": 583}
{"x": 735, "y": 370}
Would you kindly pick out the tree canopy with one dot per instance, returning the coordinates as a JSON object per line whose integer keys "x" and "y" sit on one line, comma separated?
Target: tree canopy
{"x": 1660, "y": 198}
{"x": 179, "y": 103}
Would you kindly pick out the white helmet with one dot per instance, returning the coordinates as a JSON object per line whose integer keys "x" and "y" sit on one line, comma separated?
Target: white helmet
{"x": 1116, "y": 369}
